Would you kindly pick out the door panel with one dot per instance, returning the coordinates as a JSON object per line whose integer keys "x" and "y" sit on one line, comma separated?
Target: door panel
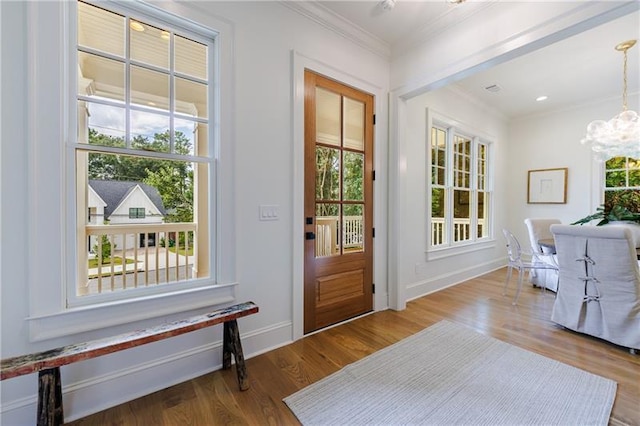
{"x": 338, "y": 202}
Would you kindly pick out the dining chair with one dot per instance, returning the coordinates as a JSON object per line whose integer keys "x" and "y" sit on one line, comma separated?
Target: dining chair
{"x": 599, "y": 291}
{"x": 540, "y": 229}
{"x": 521, "y": 261}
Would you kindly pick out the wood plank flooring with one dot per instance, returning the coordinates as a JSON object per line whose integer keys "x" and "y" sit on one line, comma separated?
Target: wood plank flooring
{"x": 214, "y": 399}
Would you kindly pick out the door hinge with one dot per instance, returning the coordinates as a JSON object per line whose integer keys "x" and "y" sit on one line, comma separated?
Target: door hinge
{"x": 374, "y": 119}
{"x": 373, "y": 287}
{"x": 374, "y": 175}
{"x": 373, "y": 232}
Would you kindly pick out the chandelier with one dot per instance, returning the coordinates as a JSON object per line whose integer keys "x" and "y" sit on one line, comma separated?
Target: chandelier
{"x": 620, "y": 136}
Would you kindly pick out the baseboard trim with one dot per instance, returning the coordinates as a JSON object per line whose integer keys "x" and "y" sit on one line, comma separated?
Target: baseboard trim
{"x": 440, "y": 282}
{"x": 85, "y": 397}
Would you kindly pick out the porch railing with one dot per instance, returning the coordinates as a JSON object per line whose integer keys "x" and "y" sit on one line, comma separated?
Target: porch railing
{"x": 461, "y": 230}
{"x": 137, "y": 256}
{"x": 327, "y": 234}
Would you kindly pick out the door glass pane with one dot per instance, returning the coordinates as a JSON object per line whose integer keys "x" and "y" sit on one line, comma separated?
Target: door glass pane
{"x": 327, "y": 229}
{"x": 191, "y": 58}
{"x": 353, "y": 176}
{"x": 353, "y": 124}
{"x": 149, "y": 88}
{"x": 461, "y": 218}
{"x": 327, "y": 117}
{"x": 353, "y": 228}
{"x": 100, "y": 77}
{"x": 149, "y": 44}
{"x": 109, "y": 38}
{"x": 327, "y": 173}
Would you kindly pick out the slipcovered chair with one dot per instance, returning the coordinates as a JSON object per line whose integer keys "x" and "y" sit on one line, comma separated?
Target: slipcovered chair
{"x": 521, "y": 261}
{"x": 539, "y": 229}
{"x": 599, "y": 290}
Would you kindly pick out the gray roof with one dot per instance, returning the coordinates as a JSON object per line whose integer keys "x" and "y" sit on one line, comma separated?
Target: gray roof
{"x": 113, "y": 192}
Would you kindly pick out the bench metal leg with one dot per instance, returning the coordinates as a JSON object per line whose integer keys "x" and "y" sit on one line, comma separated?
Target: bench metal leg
{"x": 231, "y": 345}
{"x": 50, "y": 411}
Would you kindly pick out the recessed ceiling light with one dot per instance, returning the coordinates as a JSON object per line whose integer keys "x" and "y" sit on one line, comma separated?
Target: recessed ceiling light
{"x": 136, "y": 26}
{"x": 455, "y": 1}
{"x": 541, "y": 98}
{"x": 164, "y": 35}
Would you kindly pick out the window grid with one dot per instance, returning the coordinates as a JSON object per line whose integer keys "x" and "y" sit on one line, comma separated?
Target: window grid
{"x": 459, "y": 206}
{"x": 125, "y": 80}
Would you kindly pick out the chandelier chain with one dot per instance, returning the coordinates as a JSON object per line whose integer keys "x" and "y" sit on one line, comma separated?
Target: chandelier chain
{"x": 624, "y": 82}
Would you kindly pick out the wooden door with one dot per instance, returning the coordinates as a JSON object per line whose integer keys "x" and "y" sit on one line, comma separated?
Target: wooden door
{"x": 338, "y": 265}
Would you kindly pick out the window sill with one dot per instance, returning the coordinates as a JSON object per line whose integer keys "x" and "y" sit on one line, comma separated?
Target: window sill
{"x": 82, "y": 319}
{"x": 441, "y": 253}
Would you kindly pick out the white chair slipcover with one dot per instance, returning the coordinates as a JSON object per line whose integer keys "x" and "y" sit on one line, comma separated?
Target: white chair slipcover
{"x": 599, "y": 289}
{"x": 539, "y": 229}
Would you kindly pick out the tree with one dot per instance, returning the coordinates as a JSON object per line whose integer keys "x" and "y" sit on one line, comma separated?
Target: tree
{"x": 172, "y": 178}
{"x": 103, "y": 250}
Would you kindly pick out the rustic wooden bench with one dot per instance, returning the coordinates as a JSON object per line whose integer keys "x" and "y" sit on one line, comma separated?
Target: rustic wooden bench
{"x": 47, "y": 363}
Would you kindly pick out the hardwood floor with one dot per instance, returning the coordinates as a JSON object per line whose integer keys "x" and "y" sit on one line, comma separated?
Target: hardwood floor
{"x": 478, "y": 303}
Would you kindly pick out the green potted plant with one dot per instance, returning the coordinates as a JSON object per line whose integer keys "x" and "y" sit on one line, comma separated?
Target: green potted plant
{"x": 619, "y": 206}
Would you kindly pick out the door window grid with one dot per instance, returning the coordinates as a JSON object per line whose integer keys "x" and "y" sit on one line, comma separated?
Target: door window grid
{"x": 339, "y": 174}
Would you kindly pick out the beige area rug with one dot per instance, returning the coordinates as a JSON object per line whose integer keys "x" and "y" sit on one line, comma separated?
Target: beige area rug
{"x": 449, "y": 374}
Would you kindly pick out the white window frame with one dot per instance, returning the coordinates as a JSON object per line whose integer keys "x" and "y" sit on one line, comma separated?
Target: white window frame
{"x": 453, "y": 128}
{"x": 603, "y": 180}
{"x": 51, "y": 103}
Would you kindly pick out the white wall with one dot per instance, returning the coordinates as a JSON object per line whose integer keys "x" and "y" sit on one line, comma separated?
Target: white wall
{"x": 420, "y": 274}
{"x": 264, "y": 34}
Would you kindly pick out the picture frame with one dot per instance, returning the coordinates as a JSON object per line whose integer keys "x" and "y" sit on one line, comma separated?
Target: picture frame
{"x": 547, "y": 186}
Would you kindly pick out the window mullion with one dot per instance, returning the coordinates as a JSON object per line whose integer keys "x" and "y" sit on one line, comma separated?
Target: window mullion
{"x": 172, "y": 94}
{"x": 473, "y": 188}
{"x": 449, "y": 185}
{"x": 127, "y": 84}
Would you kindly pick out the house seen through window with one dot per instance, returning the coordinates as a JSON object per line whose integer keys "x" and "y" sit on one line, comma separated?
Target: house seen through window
{"x": 460, "y": 192}
{"x": 143, "y": 153}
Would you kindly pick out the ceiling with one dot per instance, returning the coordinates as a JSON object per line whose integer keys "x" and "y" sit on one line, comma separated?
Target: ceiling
{"x": 577, "y": 70}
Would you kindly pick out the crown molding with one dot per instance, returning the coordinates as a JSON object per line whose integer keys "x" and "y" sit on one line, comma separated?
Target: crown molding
{"x": 454, "y": 16}
{"x": 329, "y": 19}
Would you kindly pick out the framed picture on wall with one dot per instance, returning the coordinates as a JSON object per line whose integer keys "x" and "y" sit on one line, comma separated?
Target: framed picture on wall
{"x": 547, "y": 186}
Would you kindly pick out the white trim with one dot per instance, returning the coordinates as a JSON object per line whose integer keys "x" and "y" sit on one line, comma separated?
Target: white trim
{"x": 85, "y": 397}
{"x": 449, "y": 279}
{"x": 582, "y": 17}
{"x": 86, "y": 318}
{"x": 442, "y": 253}
{"x": 50, "y": 196}
{"x": 329, "y": 19}
{"x": 299, "y": 63}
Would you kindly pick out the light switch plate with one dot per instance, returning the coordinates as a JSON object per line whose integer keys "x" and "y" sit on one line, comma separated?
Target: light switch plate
{"x": 269, "y": 212}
